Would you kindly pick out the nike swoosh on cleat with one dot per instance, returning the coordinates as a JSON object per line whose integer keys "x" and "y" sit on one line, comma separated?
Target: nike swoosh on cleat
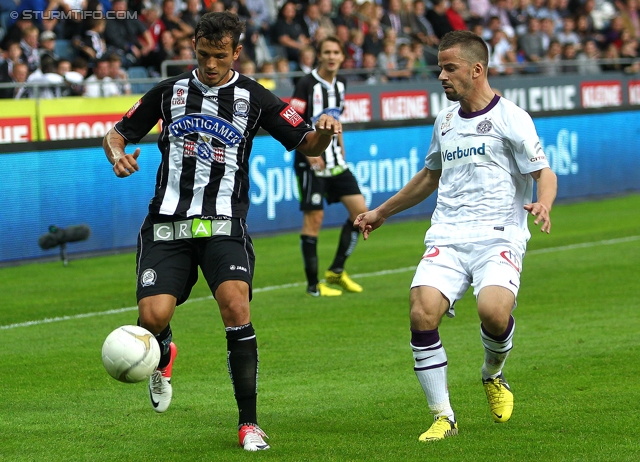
{"x": 155, "y": 404}
{"x": 499, "y": 416}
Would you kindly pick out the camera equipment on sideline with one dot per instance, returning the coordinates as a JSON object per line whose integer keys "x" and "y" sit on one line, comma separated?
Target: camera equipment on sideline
{"x": 60, "y": 236}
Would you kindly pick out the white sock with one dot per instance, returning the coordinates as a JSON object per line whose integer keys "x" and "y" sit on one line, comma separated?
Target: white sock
{"x": 496, "y": 351}
{"x": 430, "y": 367}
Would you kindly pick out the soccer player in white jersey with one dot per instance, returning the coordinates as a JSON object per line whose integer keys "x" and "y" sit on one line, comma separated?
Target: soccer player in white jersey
{"x": 484, "y": 157}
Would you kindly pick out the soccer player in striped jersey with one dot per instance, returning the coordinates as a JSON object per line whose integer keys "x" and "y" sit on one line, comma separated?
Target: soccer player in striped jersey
{"x": 327, "y": 177}
{"x": 197, "y": 217}
{"x": 484, "y": 157}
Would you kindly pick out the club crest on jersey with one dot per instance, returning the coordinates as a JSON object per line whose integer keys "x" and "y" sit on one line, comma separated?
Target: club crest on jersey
{"x": 148, "y": 278}
{"x": 330, "y": 111}
{"x": 207, "y": 127}
{"x": 484, "y": 127}
{"x": 241, "y": 107}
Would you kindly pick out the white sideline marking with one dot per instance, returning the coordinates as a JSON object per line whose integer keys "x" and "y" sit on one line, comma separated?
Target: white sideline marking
{"x": 298, "y": 284}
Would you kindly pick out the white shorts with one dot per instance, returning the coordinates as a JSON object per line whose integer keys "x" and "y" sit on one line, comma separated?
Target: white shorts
{"x": 453, "y": 268}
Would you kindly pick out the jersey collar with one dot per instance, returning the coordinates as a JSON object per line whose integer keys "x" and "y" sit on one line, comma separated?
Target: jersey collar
{"x": 206, "y": 89}
{"x": 321, "y": 80}
{"x": 471, "y": 115}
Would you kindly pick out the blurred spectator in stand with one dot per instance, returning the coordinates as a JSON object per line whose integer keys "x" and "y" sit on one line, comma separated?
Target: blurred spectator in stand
{"x": 48, "y": 45}
{"x": 388, "y": 60}
{"x": 326, "y": 16}
{"x": 373, "y": 40}
{"x": 19, "y": 74}
{"x": 173, "y": 23}
{"x": 371, "y": 74}
{"x": 41, "y": 13}
{"x": 365, "y": 11}
{"x": 92, "y": 45}
{"x": 51, "y": 84}
{"x": 531, "y": 46}
{"x": 348, "y": 70}
{"x": 346, "y": 15}
{"x": 538, "y": 9}
{"x": 344, "y": 35}
{"x": 585, "y": 30}
{"x": 629, "y": 57}
{"x": 184, "y": 53}
{"x": 501, "y": 54}
{"x": 437, "y": 16}
{"x": 613, "y": 33}
{"x": 568, "y": 33}
{"x": 548, "y": 32}
{"x": 247, "y": 68}
{"x": 283, "y": 70}
{"x": 153, "y": 22}
{"x": 588, "y": 58}
{"x": 80, "y": 67}
{"x": 569, "y": 64}
{"x": 393, "y": 19}
{"x": 99, "y": 84}
{"x": 554, "y": 15}
{"x": 119, "y": 75}
{"x": 501, "y": 10}
{"x": 320, "y": 35}
{"x": 63, "y": 66}
{"x": 630, "y": 17}
{"x": 354, "y": 47}
{"x": 458, "y": 15}
{"x": 519, "y": 15}
{"x": 123, "y": 32}
{"x": 307, "y": 60}
{"x": 192, "y": 14}
{"x": 29, "y": 45}
{"x": 405, "y": 61}
{"x": 420, "y": 64}
{"x": 310, "y": 20}
{"x": 550, "y": 64}
{"x": 479, "y": 9}
{"x": 611, "y": 58}
{"x": 166, "y": 51}
{"x": 260, "y": 17}
{"x": 268, "y": 77}
{"x": 72, "y": 25}
{"x": 288, "y": 32}
{"x": 421, "y": 29}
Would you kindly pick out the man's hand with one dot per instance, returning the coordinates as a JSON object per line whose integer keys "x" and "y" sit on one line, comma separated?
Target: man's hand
{"x": 541, "y": 212}
{"x": 126, "y": 164}
{"x": 327, "y": 125}
{"x": 368, "y": 221}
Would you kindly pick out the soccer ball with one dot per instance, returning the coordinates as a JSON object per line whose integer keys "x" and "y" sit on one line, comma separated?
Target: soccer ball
{"x": 130, "y": 354}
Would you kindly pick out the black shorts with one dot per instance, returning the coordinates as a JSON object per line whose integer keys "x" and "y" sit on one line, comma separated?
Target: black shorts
{"x": 171, "y": 266}
{"x": 312, "y": 189}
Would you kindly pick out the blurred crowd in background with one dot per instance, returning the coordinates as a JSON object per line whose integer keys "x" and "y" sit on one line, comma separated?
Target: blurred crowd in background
{"x": 94, "y": 47}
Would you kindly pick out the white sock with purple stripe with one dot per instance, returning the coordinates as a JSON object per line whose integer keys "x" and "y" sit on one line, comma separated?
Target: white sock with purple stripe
{"x": 496, "y": 350}
{"x": 430, "y": 367}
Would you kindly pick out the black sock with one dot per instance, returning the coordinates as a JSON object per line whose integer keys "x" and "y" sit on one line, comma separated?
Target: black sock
{"x": 348, "y": 241}
{"x": 164, "y": 339}
{"x": 242, "y": 360}
{"x": 309, "y": 246}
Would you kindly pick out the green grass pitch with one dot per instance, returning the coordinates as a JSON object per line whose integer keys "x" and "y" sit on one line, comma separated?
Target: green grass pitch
{"x": 336, "y": 375}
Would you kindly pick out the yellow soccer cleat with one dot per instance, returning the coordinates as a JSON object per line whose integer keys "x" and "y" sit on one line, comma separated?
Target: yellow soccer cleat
{"x": 322, "y": 290}
{"x": 441, "y": 428}
{"x": 500, "y": 398}
{"x": 343, "y": 280}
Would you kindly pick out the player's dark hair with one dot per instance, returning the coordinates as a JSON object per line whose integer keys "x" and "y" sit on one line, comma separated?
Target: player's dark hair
{"x": 471, "y": 45}
{"x": 214, "y": 27}
{"x": 330, "y": 38}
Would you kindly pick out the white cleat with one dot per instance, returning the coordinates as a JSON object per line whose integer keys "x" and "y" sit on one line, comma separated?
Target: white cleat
{"x": 252, "y": 438}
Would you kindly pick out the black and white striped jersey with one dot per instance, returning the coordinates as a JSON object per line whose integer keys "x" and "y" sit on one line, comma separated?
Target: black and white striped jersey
{"x": 312, "y": 97}
{"x": 206, "y": 140}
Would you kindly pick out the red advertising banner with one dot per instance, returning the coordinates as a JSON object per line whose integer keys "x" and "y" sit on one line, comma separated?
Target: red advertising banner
{"x": 17, "y": 121}
{"x": 605, "y": 93}
{"x": 404, "y": 105}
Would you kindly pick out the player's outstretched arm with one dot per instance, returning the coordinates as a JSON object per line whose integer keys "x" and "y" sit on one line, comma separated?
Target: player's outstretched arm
{"x": 547, "y": 183}
{"x": 315, "y": 143}
{"x": 415, "y": 191}
{"x": 123, "y": 164}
